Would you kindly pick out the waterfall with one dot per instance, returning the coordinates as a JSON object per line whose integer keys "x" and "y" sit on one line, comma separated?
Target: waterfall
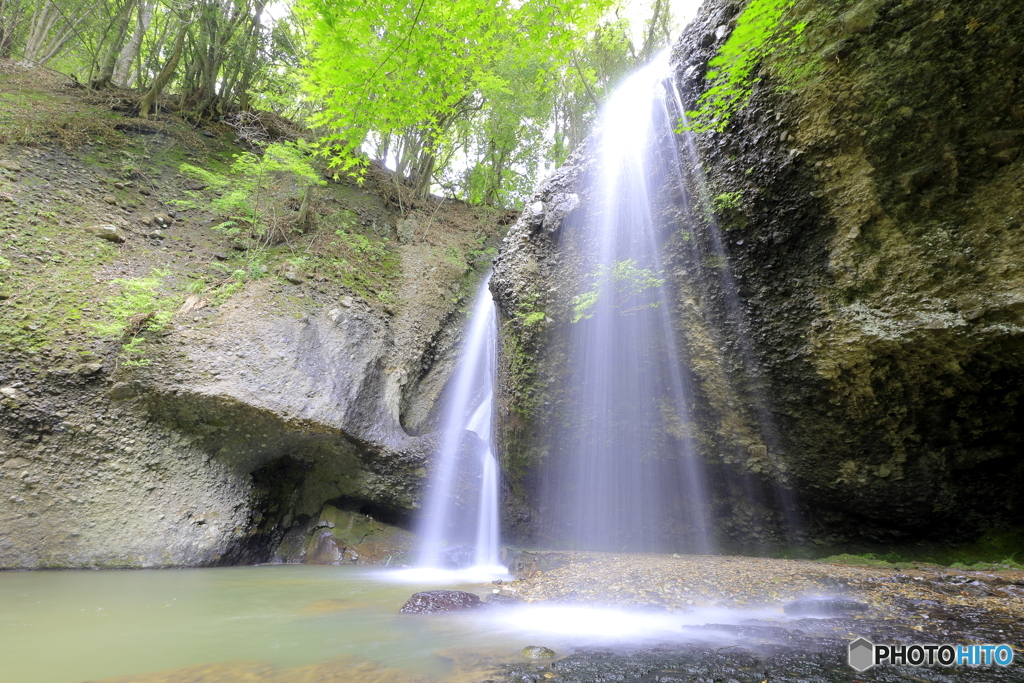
{"x": 459, "y": 523}
{"x": 626, "y": 473}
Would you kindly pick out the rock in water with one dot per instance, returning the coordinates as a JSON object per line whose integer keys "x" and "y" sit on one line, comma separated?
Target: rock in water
{"x": 438, "y": 602}
{"x": 538, "y": 652}
{"x": 824, "y": 607}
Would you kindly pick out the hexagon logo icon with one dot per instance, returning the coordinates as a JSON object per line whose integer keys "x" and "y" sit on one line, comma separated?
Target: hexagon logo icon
{"x": 862, "y": 654}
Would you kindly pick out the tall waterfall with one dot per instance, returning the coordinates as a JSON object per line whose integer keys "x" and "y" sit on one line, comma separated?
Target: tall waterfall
{"x": 625, "y": 470}
{"x": 459, "y": 523}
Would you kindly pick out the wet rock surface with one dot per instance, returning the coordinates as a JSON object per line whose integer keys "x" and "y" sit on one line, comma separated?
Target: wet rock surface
{"x": 817, "y": 660}
{"x": 866, "y": 249}
{"x": 440, "y": 602}
{"x": 843, "y": 273}
{"x": 917, "y": 605}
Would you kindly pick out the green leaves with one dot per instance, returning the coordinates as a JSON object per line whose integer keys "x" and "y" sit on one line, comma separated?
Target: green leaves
{"x": 138, "y": 306}
{"x": 237, "y": 193}
{"x": 412, "y": 72}
{"x": 731, "y": 71}
{"x": 625, "y": 281}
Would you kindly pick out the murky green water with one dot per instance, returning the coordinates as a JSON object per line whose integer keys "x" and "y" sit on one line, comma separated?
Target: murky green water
{"x": 67, "y": 627}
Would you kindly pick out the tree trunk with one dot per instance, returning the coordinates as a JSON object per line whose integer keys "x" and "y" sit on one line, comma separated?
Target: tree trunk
{"x": 150, "y": 98}
{"x": 130, "y": 52}
{"x": 304, "y": 209}
{"x": 250, "y": 61}
{"x": 10, "y": 18}
{"x": 103, "y": 78}
{"x": 424, "y": 173}
{"x": 41, "y": 46}
{"x": 147, "y": 65}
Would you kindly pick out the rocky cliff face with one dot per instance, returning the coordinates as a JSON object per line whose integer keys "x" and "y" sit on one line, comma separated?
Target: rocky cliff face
{"x": 845, "y": 267}
{"x": 314, "y": 381}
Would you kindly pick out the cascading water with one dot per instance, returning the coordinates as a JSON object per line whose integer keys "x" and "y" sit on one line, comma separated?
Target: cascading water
{"x": 459, "y": 523}
{"x": 624, "y": 470}
{"x": 627, "y": 472}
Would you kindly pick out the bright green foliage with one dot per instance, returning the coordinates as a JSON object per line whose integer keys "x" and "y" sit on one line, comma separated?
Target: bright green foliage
{"x": 371, "y": 249}
{"x": 727, "y": 201}
{"x": 239, "y": 192}
{"x": 133, "y": 353}
{"x": 583, "y": 303}
{"x": 626, "y": 280}
{"x": 138, "y": 306}
{"x": 534, "y": 318}
{"x": 400, "y": 75}
{"x": 731, "y": 71}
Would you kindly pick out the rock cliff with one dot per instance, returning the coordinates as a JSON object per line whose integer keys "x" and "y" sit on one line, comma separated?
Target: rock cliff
{"x": 296, "y": 369}
{"x": 846, "y": 273}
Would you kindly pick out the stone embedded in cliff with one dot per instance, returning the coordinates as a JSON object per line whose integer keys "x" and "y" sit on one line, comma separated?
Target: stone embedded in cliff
{"x": 106, "y": 231}
{"x": 441, "y": 601}
{"x": 89, "y": 369}
{"x": 915, "y": 180}
{"x": 860, "y": 18}
{"x": 122, "y": 390}
{"x": 407, "y": 228}
{"x": 558, "y": 208}
{"x": 1005, "y": 156}
{"x": 325, "y": 549}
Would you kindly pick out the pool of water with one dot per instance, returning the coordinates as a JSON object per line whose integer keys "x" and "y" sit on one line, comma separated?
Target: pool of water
{"x": 73, "y": 626}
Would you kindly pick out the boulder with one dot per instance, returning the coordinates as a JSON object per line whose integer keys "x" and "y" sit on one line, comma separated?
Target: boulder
{"x": 441, "y": 601}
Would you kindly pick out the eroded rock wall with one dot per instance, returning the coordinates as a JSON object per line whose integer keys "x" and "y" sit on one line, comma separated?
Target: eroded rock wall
{"x": 845, "y": 268}
{"x": 259, "y": 403}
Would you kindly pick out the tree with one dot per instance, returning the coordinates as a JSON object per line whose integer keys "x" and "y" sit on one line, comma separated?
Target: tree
{"x": 123, "y": 74}
{"x": 52, "y": 27}
{"x": 148, "y": 100}
{"x": 119, "y": 27}
{"x": 408, "y": 71}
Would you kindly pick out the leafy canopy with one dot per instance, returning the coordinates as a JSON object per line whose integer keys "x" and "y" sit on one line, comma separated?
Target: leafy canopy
{"x": 383, "y": 67}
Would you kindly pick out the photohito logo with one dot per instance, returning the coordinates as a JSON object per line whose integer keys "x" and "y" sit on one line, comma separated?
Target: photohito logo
{"x": 864, "y": 654}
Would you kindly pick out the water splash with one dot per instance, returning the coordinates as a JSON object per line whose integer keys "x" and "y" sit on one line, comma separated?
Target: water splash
{"x": 627, "y": 473}
{"x": 459, "y": 524}
{"x": 625, "y": 469}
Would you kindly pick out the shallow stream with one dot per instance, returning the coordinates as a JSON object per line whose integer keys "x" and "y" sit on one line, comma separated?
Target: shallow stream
{"x": 72, "y": 626}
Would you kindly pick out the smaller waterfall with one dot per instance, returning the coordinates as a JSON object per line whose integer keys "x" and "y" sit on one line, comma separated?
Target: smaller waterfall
{"x": 459, "y": 524}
